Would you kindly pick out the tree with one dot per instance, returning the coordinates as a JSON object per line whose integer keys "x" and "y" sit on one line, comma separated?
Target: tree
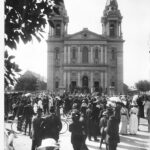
{"x": 143, "y": 86}
{"x": 11, "y": 68}
{"x": 26, "y": 82}
{"x": 25, "y": 19}
{"x": 30, "y": 82}
{"x": 125, "y": 88}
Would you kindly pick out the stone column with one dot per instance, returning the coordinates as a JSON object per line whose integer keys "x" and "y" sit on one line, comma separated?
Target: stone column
{"x": 91, "y": 75}
{"x": 61, "y": 77}
{"x": 120, "y": 30}
{"x": 108, "y": 33}
{"x": 79, "y": 59}
{"x": 69, "y": 55}
{"x": 119, "y": 76}
{"x": 50, "y": 69}
{"x": 102, "y": 54}
{"x": 65, "y": 77}
{"x": 79, "y": 83}
{"x": 105, "y": 55}
{"x": 91, "y": 55}
{"x": 99, "y": 55}
{"x": 65, "y": 55}
{"x": 105, "y": 73}
{"x": 101, "y": 77}
{"x": 68, "y": 78}
{"x": 81, "y": 55}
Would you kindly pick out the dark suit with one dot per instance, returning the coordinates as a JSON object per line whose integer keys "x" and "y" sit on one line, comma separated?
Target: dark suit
{"x": 37, "y": 132}
{"x": 27, "y": 115}
{"x": 112, "y": 134}
{"x": 76, "y": 135}
{"x": 53, "y": 126}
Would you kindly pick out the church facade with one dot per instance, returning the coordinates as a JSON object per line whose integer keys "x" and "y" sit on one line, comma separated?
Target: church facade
{"x": 86, "y": 59}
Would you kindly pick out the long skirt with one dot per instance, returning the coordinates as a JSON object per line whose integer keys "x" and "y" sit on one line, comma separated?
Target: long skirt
{"x": 133, "y": 124}
{"x": 123, "y": 124}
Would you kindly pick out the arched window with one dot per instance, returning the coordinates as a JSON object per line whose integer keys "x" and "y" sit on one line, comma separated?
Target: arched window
{"x": 113, "y": 54}
{"x": 85, "y": 55}
{"x": 57, "y": 52}
{"x": 96, "y": 52}
{"x": 112, "y": 81}
{"x": 74, "y": 53}
{"x": 112, "y": 30}
{"x": 57, "y": 84}
{"x": 58, "y": 30}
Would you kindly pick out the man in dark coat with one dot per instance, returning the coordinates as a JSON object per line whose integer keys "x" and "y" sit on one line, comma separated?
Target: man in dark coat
{"x": 37, "y": 130}
{"x": 45, "y": 104}
{"x": 83, "y": 120}
{"x": 140, "y": 102}
{"x": 89, "y": 121}
{"x": 27, "y": 115}
{"x": 95, "y": 120}
{"x": 112, "y": 133}
{"x": 52, "y": 125}
{"x": 76, "y": 131}
{"x": 20, "y": 115}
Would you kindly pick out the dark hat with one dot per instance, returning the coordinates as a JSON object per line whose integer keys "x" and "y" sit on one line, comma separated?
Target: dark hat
{"x": 52, "y": 109}
{"x": 75, "y": 114}
{"x": 83, "y": 105}
{"x": 39, "y": 110}
{"x": 74, "y": 105}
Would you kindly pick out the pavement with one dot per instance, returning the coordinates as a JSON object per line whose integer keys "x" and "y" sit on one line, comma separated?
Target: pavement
{"x": 141, "y": 141}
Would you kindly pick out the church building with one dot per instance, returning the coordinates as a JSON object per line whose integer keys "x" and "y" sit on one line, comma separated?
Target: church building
{"x": 86, "y": 59}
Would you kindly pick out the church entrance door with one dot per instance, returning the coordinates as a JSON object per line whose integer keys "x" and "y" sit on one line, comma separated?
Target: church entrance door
{"x": 85, "y": 82}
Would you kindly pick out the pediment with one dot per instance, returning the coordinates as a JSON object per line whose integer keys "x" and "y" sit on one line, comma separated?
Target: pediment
{"x": 85, "y": 34}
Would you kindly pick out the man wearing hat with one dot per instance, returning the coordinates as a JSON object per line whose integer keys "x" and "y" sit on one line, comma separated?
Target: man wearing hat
{"x": 37, "y": 130}
{"x": 89, "y": 121}
{"x": 28, "y": 114}
{"x": 52, "y": 125}
{"x": 103, "y": 126}
{"x": 112, "y": 133}
{"x": 76, "y": 130}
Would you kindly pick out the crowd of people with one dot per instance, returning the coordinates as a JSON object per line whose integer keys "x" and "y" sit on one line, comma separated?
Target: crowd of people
{"x": 93, "y": 116}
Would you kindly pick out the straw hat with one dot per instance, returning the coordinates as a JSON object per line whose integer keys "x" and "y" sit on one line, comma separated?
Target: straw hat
{"x": 48, "y": 143}
{"x": 83, "y": 105}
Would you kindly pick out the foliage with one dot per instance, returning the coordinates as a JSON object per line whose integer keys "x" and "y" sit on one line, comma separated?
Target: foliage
{"x": 11, "y": 68}
{"x": 40, "y": 85}
{"x": 143, "y": 86}
{"x": 30, "y": 82}
{"x": 125, "y": 88}
{"x": 25, "y": 19}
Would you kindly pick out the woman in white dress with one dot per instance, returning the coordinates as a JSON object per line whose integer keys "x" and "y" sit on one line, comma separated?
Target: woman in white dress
{"x": 124, "y": 120}
{"x": 133, "y": 121}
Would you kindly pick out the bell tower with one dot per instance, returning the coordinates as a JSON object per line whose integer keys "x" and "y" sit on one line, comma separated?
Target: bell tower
{"x": 111, "y": 29}
{"x": 111, "y": 20}
{"x": 58, "y": 23}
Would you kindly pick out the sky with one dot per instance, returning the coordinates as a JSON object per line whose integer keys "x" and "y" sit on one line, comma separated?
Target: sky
{"x": 87, "y": 14}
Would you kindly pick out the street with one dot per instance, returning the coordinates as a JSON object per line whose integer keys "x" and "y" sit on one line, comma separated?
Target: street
{"x": 141, "y": 141}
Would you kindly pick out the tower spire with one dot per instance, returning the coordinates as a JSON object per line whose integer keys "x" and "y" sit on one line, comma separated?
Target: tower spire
{"x": 111, "y": 2}
{"x": 59, "y": 22}
{"x": 111, "y": 20}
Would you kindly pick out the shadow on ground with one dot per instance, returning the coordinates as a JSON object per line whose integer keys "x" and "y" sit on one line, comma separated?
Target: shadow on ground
{"x": 134, "y": 142}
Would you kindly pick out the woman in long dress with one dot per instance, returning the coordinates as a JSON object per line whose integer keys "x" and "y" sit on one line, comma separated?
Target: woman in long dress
{"x": 124, "y": 120}
{"x": 133, "y": 121}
